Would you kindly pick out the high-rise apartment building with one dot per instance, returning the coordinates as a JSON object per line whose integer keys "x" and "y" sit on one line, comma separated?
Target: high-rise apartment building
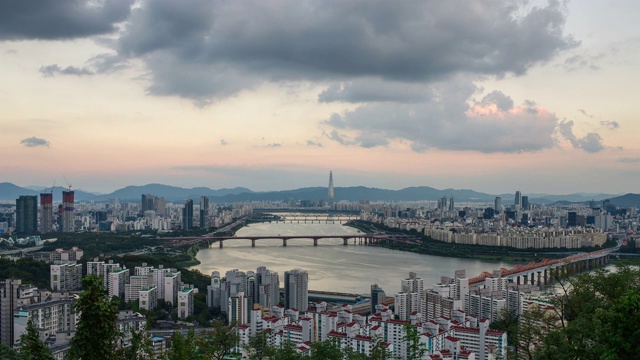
{"x": 187, "y": 215}
{"x": 213, "y": 290}
{"x": 27, "y": 214}
{"x": 204, "y": 212}
{"x": 117, "y": 281}
{"x": 296, "y": 290}
{"x": 185, "y": 303}
{"x": 46, "y": 213}
{"x": 66, "y": 277}
{"x": 268, "y": 287}
{"x": 68, "y": 211}
{"x": 238, "y": 309}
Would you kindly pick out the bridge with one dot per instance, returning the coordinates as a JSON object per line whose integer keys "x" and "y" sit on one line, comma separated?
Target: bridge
{"x": 362, "y": 239}
{"x": 541, "y": 273}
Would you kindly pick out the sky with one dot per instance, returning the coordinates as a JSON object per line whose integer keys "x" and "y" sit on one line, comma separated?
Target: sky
{"x": 494, "y": 96}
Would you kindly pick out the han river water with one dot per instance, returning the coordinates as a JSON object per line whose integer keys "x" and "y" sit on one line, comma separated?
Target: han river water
{"x": 331, "y": 265}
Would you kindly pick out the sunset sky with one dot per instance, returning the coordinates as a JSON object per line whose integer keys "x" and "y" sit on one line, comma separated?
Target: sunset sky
{"x": 495, "y": 96}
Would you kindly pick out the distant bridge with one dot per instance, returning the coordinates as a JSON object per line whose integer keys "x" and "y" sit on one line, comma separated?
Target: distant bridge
{"x": 362, "y": 239}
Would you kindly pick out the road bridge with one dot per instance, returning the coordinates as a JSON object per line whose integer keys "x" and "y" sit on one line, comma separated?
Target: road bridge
{"x": 358, "y": 239}
{"x": 541, "y": 273}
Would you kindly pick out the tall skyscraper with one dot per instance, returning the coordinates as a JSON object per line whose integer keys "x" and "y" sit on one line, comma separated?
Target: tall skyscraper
{"x": 46, "y": 213}
{"x": 498, "y": 205}
{"x": 525, "y": 202}
{"x": 68, "y": 211}
{"x": 296, "y": 290}
{"x": 27, "y": 214}
{"x": 451, "y": 204}
{"x": 331, "y": 194}
{"x": 187, "y": 215}
{"x": 518, "y": 200}
{"x": 204, "y": 212}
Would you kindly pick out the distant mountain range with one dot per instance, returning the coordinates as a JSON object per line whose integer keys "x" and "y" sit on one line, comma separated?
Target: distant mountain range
{"x": 10, "y": 192}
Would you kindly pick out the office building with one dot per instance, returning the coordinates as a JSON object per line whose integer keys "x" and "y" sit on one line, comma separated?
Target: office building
{"x": 377, "y": 297}
{"x": 296, "y": 290}
{"x": 187, "y": 215}
{"x": 497, "y": 206}
{"x": 46, "y": 213}
{"x": 517, "y": 202}
{"x": 26, "y": 214}
{"x": 204, "y": 212}
{"x": 331, "y": 191}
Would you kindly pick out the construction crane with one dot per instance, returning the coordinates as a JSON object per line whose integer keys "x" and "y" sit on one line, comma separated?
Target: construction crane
{"x": 68, "y": 183}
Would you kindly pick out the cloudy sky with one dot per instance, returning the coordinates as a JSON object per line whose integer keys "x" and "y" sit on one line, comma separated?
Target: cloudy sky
{"x": 490, "y": 95}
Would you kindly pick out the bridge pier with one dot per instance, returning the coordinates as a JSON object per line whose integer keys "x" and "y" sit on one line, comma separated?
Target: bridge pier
{"x": 533, "y": 279}
{"x": 284, "y": 242}
{"x": 220, "y": 243}
{"x": 253, "y": 243}
{"x": 345, "y": 241}
{"x": 539, "y": 282}
{"x": 518, "y": 280}
{"x": 315, "y": 242}
{"x": 546, "y": 277}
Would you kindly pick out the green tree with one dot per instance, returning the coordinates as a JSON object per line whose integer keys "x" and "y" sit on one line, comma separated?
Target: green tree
{"x": 140, "y": 348}
{"x": 326, "y": 350}
{"x": 7, "y": 353}
{"x": 97, "y": 332}
{"x": 219, "y": 342}
{"x": 259, "y": 348}
{"x": 183, "y": 347}
{"x": 287, "y": 352}
{"x": 32, "y": 347}
{"x": 380, "y": 351}
{"x": 415, "y": 349}
{"x": 596, "y": 313}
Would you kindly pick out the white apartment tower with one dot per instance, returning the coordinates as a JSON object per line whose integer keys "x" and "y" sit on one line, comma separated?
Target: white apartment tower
{"x": 185, "y": 303}
{"x": 296, "y": 290}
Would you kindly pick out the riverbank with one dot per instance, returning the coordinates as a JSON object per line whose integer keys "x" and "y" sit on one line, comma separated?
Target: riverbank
{"x": 429, "y": 246}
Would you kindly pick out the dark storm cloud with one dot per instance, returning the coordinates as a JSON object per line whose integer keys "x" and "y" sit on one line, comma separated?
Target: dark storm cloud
{"x": 592, "y": 142}
{"x": 53, "y": 70}
{"x": 60, "y": 19}
{"x": 203, "y": 49}
{"x": 35, "y": 142}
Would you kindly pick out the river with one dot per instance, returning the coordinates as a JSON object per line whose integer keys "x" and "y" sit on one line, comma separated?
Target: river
{"x": 331, "y": 265}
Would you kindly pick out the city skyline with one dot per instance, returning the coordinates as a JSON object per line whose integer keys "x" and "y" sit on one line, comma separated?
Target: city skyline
{"x": 493, "y": 96}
